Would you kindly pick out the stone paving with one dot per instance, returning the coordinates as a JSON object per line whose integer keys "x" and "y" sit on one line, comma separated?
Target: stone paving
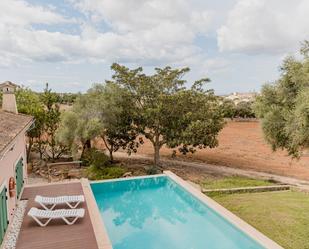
{"x": 14, "y": 228}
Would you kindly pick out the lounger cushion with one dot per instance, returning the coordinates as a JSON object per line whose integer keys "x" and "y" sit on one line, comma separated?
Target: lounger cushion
{"x": 56, "y": 214}
{"x": 59, "y": 199}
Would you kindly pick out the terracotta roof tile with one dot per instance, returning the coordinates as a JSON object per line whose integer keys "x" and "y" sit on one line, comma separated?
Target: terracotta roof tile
{"x": 11, "y": 125}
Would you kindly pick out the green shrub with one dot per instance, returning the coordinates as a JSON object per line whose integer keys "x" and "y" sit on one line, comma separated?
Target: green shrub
{"x": 95, "y": 158}
{"x": 99, "y": 166}
{"x": 153, "y": 170}
{"x": 109, "y": 172}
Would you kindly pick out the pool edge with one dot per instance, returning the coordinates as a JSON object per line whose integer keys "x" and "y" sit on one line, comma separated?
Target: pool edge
{"x": 100, "y": 232}
{"x": 127, "y": 178}
{"x": 226, "y": 214}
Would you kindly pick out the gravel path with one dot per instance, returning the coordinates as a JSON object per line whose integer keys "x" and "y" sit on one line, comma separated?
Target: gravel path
{"x": 14, "y": 228}
{"x": 218, "y": 169}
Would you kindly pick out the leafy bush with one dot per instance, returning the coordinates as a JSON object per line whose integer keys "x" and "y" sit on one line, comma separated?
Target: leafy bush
{"x": 153, "y": 170}
{"x": 244, "y": 110}
{"x": 95, "y": 158}
{"x": 241, "y": 110}
{"x": 110, "y": 172}
{"x": 99, "y": 166}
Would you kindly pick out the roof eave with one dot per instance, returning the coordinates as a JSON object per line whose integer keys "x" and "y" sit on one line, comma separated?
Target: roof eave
{"x": 6, "y": 148}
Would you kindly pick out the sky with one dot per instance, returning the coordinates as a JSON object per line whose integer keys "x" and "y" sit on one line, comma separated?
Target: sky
{"x": 71, "y": 44}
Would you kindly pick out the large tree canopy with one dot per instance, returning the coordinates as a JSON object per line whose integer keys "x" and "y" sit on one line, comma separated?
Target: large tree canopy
{"x": 284, "y": 106}
{"x": 168, "y": 113}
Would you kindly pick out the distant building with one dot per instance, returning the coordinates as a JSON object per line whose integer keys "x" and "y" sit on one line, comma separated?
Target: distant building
{"x": 13, "y": 173}
{"x": 241, "y": 97}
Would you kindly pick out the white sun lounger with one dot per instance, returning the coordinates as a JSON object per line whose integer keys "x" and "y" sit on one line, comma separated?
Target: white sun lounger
{"x": 71, "y": 200}
{"x": 70, "y": 216}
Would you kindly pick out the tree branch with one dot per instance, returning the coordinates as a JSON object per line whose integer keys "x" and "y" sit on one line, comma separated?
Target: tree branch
{"x": 105, "y": 143}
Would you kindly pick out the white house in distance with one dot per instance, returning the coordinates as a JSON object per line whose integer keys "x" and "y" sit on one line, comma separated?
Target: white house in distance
{"x": 241, "y": 97}
{"x": 13, "y": 173}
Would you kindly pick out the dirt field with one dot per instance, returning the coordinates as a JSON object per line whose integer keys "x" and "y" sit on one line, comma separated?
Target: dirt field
{"x": 241, "y": 145}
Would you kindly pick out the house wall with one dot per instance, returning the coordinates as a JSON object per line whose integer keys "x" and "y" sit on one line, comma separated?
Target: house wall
{"x": 7, "y": 168}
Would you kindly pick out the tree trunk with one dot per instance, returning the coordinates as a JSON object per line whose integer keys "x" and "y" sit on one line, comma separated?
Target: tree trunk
{"x": 88, "y": 144}
{"x": 28, "y": 149}
{"x": 83, "y": 151}
{"x": 157, "y": 146}
{"x": 40, "y": 150}
{"x": 52, "y": 145}
{"x": 156, "y": 154}
{"x": 110, "y": 149}
{"x": 111, "y": 157}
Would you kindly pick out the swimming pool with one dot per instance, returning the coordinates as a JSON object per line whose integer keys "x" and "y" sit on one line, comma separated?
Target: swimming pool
{"x": 157, "y": 212}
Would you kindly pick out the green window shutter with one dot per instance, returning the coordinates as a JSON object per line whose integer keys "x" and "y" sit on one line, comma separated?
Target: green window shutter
{"x": 1, "y": 219}
{"x": 19, "y": 177}
{"x": 3, "y": 214}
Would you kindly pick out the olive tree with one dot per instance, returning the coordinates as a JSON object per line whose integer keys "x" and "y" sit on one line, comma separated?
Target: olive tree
{"x": 102, "y": 112}
{"x": 77, "y": 128}
{"x": 113, "y": 110}
{"x": 284, "y": 108}
{"x": 228, "y": 108}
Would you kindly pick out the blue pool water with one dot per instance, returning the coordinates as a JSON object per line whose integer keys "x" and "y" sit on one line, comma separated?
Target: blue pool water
{"x": 157, "y": 213}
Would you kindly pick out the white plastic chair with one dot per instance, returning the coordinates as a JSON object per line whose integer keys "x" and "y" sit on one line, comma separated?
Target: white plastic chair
{"x": 64, "y": 214}
{"x": 71, "y": 200}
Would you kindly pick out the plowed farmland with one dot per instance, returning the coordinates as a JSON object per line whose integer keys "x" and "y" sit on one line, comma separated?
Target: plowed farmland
{"x": 241, "y": 145}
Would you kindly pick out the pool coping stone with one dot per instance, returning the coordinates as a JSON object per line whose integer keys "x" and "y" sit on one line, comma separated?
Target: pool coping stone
{"x": 99, "y": 228}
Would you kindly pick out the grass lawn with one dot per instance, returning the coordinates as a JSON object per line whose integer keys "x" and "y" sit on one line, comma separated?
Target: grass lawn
{"x": 283, "y": 216}
{"x": 233, "y": 182}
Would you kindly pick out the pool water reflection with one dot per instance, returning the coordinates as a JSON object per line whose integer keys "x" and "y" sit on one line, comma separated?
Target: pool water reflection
{"x": 157, "y": 213}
